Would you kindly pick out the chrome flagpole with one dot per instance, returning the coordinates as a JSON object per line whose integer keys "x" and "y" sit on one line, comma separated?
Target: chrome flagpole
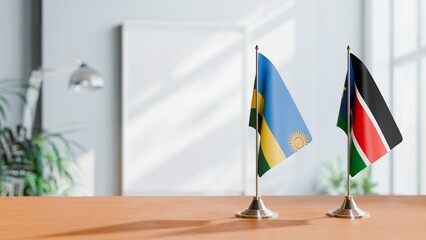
{"x": 349, "y": 209}
{"x": 257, "y": 208}
{"x": 257, "y": 122}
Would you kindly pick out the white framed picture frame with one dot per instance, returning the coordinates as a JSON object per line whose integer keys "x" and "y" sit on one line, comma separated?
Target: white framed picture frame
{"x": 184, "y": 108}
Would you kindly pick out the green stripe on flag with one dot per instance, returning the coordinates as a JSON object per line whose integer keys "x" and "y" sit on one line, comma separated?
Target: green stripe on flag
{"x": 252, "y": 120}
{"x": 357, "y": 164}
{"x": 341, "y": 123}
{"x": 263, "y": 165}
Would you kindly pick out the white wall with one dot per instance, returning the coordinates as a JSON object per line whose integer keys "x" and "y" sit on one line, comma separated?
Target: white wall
{"x": 305, "y": 39}
{"x": 15, "y": 48}
{"x": 394, "y": 54}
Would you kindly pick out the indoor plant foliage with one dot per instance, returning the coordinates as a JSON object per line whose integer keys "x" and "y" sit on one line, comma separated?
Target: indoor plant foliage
{"x": 35, "y": 166}
{"x": 334, "y": 181}
{"x": 32, "y": 165}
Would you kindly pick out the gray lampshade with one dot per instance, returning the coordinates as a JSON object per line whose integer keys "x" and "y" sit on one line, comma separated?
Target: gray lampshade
{"x": 86, "y": 77}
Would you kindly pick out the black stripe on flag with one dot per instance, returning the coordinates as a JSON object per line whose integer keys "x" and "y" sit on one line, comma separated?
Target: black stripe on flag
{"x": 375, "y": 102}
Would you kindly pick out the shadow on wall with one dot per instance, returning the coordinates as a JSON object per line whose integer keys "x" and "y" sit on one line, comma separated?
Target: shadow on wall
{"x": 186, "y": 108}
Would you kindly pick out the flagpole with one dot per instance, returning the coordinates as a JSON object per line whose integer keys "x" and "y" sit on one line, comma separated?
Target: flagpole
{"x": 257, "y": 124}
{"x": 257, "y": 208}
{"x": 348, "y": 180}
{"x": 348, "y": 209}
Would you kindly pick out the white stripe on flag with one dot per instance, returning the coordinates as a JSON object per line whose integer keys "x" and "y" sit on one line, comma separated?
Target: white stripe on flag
{"x": 358, "y": 148}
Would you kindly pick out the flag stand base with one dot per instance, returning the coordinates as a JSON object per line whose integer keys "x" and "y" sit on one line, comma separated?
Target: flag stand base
{"x": 257, "y": 209}
{"x": 349, "y": 209}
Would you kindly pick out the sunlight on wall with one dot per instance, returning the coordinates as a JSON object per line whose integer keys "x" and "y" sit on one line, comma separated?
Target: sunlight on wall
{"x": 186, "y": 111}
{"x": 266, "y": 13}
{"x": 184, "y": 133}
{"x": 187, "y": 91}
{"x": 214, "y": 45}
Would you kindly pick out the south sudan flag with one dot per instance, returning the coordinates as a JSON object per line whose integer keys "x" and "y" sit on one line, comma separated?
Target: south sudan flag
{"x": 373, "y": 129}
{"x": 281, "y": 127}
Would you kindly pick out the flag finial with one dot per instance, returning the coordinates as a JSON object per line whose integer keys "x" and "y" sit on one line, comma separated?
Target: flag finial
{"x": 257, "y": 47}
{"x": 349, "y": 48}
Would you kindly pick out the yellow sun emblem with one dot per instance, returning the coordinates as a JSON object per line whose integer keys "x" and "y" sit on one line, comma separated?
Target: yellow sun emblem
{"x": 297, "y": 140}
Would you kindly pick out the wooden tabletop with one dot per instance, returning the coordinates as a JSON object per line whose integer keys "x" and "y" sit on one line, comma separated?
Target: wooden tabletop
{"x": 301, "y": 217}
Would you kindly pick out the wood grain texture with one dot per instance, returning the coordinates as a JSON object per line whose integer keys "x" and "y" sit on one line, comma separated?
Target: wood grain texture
{"x": 300, "y": 217}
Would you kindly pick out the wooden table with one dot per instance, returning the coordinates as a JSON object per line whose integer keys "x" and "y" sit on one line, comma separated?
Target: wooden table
{"x": 301, "y": 217}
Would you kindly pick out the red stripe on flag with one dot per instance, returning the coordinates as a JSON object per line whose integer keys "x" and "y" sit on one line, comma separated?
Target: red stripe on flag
{"x": 366, "y": 134}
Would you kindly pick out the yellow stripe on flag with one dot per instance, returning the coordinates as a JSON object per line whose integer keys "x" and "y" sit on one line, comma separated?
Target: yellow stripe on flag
{"x": 259, "y": 100}
{"x": 270, "y": 147}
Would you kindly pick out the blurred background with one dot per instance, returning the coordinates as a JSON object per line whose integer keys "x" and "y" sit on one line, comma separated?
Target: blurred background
{"x": 172, "y": 116}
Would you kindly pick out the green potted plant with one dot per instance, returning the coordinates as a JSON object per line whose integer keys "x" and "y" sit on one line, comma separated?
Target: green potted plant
{"x": 37, "y": 165}
{"x": 333, "y": 181}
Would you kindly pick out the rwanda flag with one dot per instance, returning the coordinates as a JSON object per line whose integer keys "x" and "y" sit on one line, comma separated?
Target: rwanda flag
{"x": 281, "y": 128}
{"x": 373, "y": 130}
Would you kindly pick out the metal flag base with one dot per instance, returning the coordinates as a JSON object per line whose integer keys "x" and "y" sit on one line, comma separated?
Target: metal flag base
{"x": 257, "y": 209}
{"x": 349, "y": 209}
